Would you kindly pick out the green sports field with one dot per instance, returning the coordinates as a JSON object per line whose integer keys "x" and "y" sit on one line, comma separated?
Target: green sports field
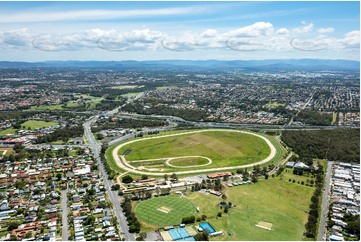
{"x": 35, "y": 124}
{"x": 224, "y": 148}
{"x": 164, "y": 211}
{"x": 283, "y": 204}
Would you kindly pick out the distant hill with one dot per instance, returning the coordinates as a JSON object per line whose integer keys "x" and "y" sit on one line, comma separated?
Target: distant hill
{"x": 213, "y": 65}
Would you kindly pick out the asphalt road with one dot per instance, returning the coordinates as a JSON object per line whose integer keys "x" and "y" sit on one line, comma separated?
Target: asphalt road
{"x": 113, "y": 196}
{"x": 322, "y": 229}
{"x": 64, "y": 208}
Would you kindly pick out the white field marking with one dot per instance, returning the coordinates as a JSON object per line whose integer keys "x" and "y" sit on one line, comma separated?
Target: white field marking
{"x": 164, "y": 210}
{"x": 264, "y": 225}
{"x": 122, "y": 163}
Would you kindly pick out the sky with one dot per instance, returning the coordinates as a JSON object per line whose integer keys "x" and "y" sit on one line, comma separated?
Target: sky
{"x": 115, "y": 31}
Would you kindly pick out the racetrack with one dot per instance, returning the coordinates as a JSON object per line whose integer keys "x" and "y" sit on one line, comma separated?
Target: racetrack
{"x": 122, "y": 163}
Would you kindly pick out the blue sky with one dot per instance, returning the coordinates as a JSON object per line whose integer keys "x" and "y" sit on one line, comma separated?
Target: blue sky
{"x": 39, "y": 31}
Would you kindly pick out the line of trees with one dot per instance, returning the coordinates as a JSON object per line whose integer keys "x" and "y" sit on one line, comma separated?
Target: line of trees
{"x": 208, "y": 184}
{"x": 313, "y": 214}
{"x": 134, "y": 224}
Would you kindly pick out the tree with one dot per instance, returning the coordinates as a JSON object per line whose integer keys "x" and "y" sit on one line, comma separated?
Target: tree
{"x": 174, "y": 177}
{"x": 115, "y": 187}
{"x": 226, "y": 209}
{"x": 144, "y": 177}
{"x": 165, "y": 177}
{"x": 58, "y": 176}
{"x": 201, "y": 237}
{"x": 219, "y": 214}
{"x": 127, "y": 179}
{"x": 13, "y": 225}
{"x": 91, "y": 191}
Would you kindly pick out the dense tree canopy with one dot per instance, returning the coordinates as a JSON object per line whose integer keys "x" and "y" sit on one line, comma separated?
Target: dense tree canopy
{"x": 337, "y": 144}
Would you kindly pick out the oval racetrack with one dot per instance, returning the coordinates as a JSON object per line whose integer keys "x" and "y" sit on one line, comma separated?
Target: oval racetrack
{"x": 122, "y": 163}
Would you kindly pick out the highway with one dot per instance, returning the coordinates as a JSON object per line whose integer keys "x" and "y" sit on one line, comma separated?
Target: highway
{"x": 322, "y": 228}
{"x": 113, "y": 196}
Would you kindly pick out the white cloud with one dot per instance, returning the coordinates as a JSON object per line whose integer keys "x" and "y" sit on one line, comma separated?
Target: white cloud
{"x": 282, "y": 31}
{"x": 325, "y": 30}
{"x": 256, "y": 37}
{"x": 304, "y": 29}
{"x": 17, "y": 37}
{"x": 209, "y": 33}
{"x": 256, "y": 29}
{"x": 352, "y": 38}
{"x": 96, "y": 14}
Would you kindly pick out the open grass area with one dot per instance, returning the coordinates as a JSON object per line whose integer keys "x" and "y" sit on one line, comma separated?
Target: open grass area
{"x": 131, "y": 94}
{"x": 283, "y": 204}
{"x": 191, "y": 161}
{"x": 6, "y": 151}
{"x": 47, "y": 107}
{"x": 8, "y": 131}
{"x": 334, "y": 118}
{"x": 223, "y": 147}
{"x": 89, "y": 103}
{"x": 274, "y": 105}
{"x": 165, "y": 87}
{"x": 35, "y": 124}
{"x": 126, "y": 87}
{"x": 163, "y": 211}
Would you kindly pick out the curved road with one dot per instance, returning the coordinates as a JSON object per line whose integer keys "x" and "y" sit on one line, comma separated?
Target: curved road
{"x": 123, "y": 164}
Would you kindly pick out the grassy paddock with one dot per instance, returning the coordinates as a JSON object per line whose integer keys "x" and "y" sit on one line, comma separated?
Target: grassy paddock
{"x": 275, "y": 201}
{"x": 8, "y": 131}
{"x": 126, "y": 87}
{"x": 36, "y": 124}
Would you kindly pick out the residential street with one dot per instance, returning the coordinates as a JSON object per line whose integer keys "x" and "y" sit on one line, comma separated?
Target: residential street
{"x": 64, "y": 209}
{"x": 113, "y": 196}
{"x": 322, "y": 229}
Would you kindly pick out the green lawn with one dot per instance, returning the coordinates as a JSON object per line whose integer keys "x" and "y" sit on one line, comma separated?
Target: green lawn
{"x": 126, "y": 87}
{"x": 223, "y": 147}
{"x": 275, "y": 201}
{"x": 288, "y": 174}
{"x": 8, "y": 131}
{"x": 35, "y": 124}
{"x": 47, "y": 107}
{"x": 90, "y": 104}
{"x": 131, "y": 94}
{"x": 176, "y": 207}
{"x": 192, "y": 161}
{"x": 334, "y": 118}
{"x": 274, "y": 105}
{"x": 165, "y": 87}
